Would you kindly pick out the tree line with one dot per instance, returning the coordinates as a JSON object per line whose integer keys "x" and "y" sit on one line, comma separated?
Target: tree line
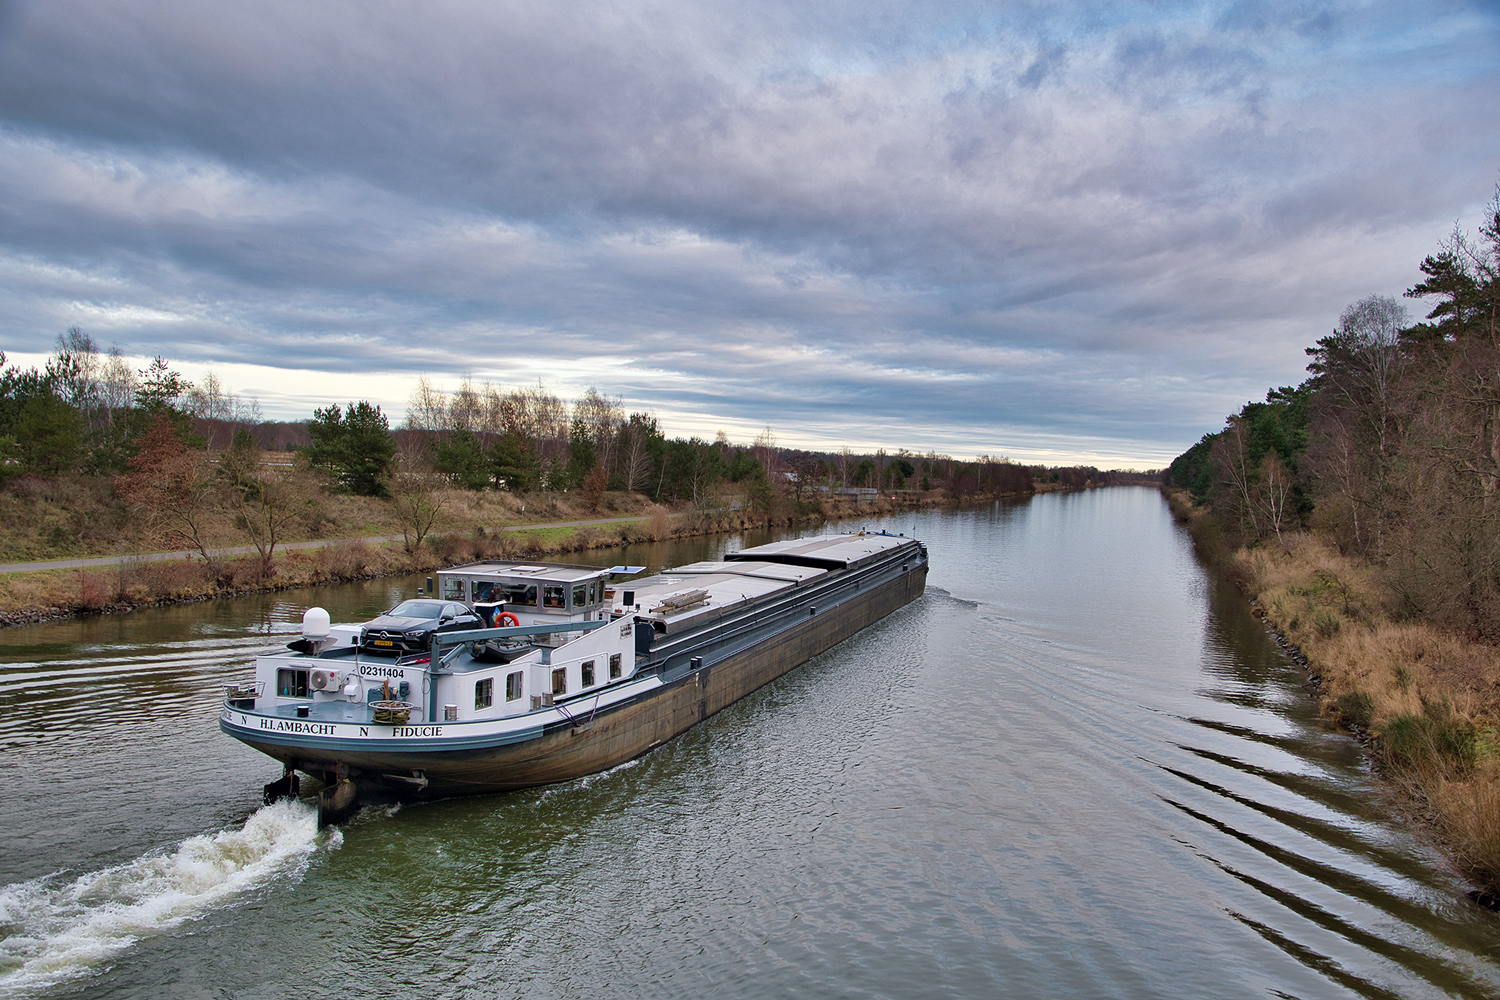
{"x": 483, "y": 436}
{"x": 1391, "y": 446}
{"x": 185, "y": 457}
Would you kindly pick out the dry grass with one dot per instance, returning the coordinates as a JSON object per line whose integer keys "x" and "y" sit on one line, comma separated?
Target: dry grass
{"x": 1470, "y": 812}
{"x": 1428, "y": 698}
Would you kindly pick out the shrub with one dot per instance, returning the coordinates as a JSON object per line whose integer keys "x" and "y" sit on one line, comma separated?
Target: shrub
{"x": 93, "y": 591}
{"x": 660, "y": 523}
{"x": 445, "y": 547}
{"x": 1433, "y": 743}
{"x": 1354, "y": 710}
{"x": 169, "y": 580}
{"x": 342, "y": 562}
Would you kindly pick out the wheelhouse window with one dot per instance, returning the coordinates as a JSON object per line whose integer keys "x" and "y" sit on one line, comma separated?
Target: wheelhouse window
{"x": 560, "y": 681}
{"x": 484, "y": 591}
{"x": 453, "y": 589}
{"x": 513, "y": 686}
{"x": 523, "y": 594}
{"x": 588, "y": 673}
{"x": 484, "y": 693}
{"x": 553, "y": 597}
{"x": 614, "y": 666}
{"x": 580, "y": 595}
{"x": 291, "y": 683}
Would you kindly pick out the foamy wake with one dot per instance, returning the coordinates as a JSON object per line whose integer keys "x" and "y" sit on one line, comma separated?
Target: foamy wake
{"x": 52, "y": 930}
{"x": 578, "y": 784}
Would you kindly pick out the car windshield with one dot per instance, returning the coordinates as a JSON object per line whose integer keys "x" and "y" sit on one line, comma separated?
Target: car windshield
{"x": 417, "y": 609}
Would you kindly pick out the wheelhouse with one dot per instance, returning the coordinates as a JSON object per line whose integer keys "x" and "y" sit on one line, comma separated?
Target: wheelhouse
{"x": 534, "y": 594}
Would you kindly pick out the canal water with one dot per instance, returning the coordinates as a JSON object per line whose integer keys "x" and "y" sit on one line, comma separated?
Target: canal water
{"x": 1076, "y": 767}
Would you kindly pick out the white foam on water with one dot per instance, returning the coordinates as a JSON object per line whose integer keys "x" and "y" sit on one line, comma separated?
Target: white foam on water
{"x": 578, "y": 784}
{"x": 53, "y": 930}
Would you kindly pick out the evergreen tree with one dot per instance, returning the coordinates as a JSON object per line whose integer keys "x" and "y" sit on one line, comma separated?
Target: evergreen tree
{"x": 462, "y": 459}
{"x": 513, "y": 464}
{"x": 327, "y": 451}
{"x": 745, "y": 466}
{"x": 39, "y": 431}
{"x": 354, "y": 446}
{"x": 580, "y": 457}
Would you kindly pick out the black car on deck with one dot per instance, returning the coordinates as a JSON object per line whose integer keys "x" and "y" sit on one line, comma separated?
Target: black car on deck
{"x": 408, "y": 627}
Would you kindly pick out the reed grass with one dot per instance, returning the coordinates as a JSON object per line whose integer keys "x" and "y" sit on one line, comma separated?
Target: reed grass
{"x": 1427, "y": 698}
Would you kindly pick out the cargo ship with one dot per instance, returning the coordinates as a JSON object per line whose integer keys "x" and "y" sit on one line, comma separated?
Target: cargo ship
{"x": 537, "y": 673}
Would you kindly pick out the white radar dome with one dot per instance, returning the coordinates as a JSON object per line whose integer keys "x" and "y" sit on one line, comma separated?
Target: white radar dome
{"x": 315, "y": 623}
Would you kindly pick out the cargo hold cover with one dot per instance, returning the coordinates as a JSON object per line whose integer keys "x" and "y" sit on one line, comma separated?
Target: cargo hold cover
{"x": 826, "y": 551}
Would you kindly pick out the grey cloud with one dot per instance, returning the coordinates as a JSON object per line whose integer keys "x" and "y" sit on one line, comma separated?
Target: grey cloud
{"x": 1130, "y": 218}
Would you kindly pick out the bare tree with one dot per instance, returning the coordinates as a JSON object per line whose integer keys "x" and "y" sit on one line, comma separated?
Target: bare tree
{"x": 1336, "y": 467}
{"x": 100, "y": 384}
{"x": 418, "y": 498}
{"x": 466, "y": 408}
{"x": 540, "y": 419}
{"x": 636, "y": 439}
{"x": 117, "y": 386}
{"x": 1276, "y": 492}
{"x": 264, "y": 501}
{"x": 1360, "y": 369}
{"x": 214, "y": 408}
{"x": 601, "y": 418}
{"x": 427, "y": 409}
{"x": 171, "y": 489}
{"x": 765, "y": 451}
{"x": 1231, "y": 456}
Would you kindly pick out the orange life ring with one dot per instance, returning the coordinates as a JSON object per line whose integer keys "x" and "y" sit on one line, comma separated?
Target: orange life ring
{"x": 502, "y": 616}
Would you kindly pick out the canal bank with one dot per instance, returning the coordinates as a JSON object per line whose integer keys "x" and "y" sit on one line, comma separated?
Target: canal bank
{"x": 38, "y": 592}
{"x": 32, "y": 593}
{"x": 1423, "y": 701}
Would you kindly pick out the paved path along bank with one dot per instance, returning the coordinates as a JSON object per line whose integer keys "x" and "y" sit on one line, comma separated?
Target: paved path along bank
{"x": 245, "y": 550}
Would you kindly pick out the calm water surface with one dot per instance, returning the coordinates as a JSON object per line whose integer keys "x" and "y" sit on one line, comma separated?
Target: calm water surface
{"x": 1077, "y": 767}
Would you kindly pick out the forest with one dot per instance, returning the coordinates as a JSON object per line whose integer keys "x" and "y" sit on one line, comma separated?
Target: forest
{"x": 1390, "y": 449}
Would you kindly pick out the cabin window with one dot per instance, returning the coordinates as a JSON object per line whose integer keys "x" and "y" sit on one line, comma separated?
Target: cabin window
{"x": 614, "y": 666}
{"x": 580, "y": 595}
{"x": 484, "y": 591}
{"x": 484, "y": 693}
{"x": 453, "y": 589}
{"x": 291, "y": 683}
{"x": 552, "y": 597}
{"x": 560, "y": 681}
{"x": 523, "y": 594}
{"x": 513, "y": 686}
{"x": 588, "y": 673}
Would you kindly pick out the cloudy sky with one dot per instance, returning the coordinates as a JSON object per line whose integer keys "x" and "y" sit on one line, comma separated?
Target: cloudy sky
{"x": 1060, "y": 231}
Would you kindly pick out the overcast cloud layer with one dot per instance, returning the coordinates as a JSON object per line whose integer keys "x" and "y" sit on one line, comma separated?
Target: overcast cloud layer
{"x": 1059, "y": 231}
